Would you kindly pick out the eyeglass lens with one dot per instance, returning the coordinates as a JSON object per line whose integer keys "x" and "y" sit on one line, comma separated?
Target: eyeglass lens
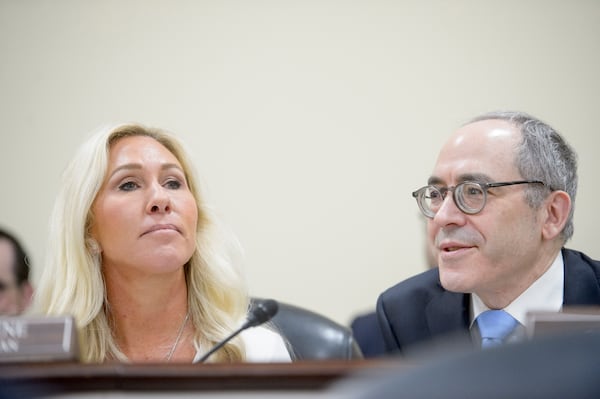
{"x": 469, "y": 197}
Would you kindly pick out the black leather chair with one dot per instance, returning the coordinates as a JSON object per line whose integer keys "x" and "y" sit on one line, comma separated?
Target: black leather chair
{"x": 313, "y": 336}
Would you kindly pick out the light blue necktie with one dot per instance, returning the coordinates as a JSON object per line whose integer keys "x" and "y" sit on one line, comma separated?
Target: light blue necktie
{"x": 495, "y": 326}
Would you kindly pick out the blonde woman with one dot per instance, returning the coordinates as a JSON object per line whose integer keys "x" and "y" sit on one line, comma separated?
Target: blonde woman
{"x": 134, "y": 258}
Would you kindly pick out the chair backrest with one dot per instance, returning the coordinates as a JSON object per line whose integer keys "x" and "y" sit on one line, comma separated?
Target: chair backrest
{"x": 313, "y": 336}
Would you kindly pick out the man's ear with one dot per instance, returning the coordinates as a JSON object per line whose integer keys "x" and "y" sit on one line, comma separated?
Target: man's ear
{"x": 557, "y": 207}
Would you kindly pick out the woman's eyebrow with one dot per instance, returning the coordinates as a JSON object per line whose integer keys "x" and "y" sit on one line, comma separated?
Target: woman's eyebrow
{"x": 138, "y": 166}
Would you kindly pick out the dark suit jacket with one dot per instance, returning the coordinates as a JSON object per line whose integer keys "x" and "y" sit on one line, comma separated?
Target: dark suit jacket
{"x": 365, "y": 329}
{"x": 419, "y": 310}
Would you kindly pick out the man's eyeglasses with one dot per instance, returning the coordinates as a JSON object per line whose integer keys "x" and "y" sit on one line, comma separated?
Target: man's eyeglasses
{"x": 469, "y": 196}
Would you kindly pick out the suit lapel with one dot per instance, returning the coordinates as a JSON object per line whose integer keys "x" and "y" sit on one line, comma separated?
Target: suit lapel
{"x": 581, "y": 282}
{"x": 447, "y": 312}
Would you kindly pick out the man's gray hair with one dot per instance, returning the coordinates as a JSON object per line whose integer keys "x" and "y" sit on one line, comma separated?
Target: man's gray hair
{"x": 542, "y": 155}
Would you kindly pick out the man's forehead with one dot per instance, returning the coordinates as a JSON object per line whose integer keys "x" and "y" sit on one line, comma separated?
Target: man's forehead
{"x": 460, "y": 178}
{"x": 486, "y": 147}
{"x": 495, "y": 130}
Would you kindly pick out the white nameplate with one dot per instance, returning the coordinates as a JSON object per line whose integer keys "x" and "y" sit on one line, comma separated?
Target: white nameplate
{"x": 37, "y": 339}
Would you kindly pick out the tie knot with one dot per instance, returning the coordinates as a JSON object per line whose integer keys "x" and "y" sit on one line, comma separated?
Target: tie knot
{"x": 495, "y": 326}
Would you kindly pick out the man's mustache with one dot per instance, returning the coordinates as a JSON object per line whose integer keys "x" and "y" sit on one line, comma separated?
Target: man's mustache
{"x": 460, "y": 235}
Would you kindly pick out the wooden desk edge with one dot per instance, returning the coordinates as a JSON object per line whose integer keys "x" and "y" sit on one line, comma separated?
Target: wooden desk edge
{"x": 75, "y": 377}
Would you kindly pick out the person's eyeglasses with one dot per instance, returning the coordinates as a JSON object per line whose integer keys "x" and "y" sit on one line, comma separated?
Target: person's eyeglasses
{"x": 469, "y": 196}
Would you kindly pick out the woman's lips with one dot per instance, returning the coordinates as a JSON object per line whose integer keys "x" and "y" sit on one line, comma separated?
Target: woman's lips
{"x": 161, "y": 227}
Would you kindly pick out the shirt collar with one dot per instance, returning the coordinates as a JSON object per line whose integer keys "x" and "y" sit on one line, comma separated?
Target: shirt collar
{"x": 545, "y": 294}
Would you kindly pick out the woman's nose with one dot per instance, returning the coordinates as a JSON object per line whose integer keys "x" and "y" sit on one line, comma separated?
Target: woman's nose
{"x": 160, "y": 201}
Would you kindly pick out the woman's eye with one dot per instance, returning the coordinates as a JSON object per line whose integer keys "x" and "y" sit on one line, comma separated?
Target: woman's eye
{"x": 173, "y": 184}
{"x": 128, "y": 186}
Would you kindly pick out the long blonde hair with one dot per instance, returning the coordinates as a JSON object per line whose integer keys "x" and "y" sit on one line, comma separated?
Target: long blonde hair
{"x": 72, "y": 281}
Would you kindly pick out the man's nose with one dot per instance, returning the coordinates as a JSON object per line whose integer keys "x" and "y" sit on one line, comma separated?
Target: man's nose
{"x": 449, "y": 212}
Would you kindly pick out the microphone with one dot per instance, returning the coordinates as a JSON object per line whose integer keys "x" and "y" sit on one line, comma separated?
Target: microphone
{"x": 261, "y": 311}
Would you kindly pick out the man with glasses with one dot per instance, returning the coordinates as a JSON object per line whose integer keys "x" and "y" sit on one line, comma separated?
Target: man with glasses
{"x": 15, "y": 289}
{"x": 500, "y": 206}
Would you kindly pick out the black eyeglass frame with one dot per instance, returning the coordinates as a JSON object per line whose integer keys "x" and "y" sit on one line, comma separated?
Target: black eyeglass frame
{"x": 420, "y": 193}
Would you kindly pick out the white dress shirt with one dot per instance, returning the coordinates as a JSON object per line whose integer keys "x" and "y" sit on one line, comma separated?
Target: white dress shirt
{"x": 262, "y": 345}
{"x": 545, "y": 294}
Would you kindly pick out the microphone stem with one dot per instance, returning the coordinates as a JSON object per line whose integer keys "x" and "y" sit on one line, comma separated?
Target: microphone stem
{"x": 223, "y": 342}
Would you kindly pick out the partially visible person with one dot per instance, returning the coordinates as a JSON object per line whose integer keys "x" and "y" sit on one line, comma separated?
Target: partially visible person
{"x": 367, "y": 333}
{"x": 136, "y": 259}
{"x": 500, "y": 205}
{"x": 15, "y": 287}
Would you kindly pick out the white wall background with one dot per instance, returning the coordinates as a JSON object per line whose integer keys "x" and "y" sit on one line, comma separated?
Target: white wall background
{"x": 310, "y": 122}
